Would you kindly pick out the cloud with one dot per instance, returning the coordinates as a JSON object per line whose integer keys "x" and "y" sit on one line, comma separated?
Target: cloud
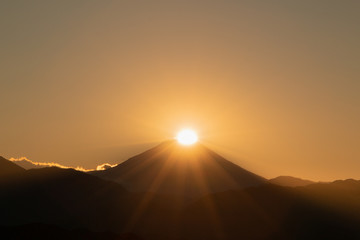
{"x": 26, "y": 163}
{"x": 105, "y": 166}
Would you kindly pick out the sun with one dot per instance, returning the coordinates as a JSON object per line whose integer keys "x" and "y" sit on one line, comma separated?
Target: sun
{"x": 187, "y": 137}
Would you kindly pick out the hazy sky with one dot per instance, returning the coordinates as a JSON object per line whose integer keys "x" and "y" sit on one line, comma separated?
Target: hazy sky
{"x": 272, "y": 85}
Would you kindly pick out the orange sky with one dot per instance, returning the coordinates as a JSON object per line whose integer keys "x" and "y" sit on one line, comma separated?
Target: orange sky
{"x": 271, "y": 85}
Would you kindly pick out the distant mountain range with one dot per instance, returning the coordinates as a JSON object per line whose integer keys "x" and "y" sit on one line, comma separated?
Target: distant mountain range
{"x": 172, "y": 193}
{"x": 288, "y": 181}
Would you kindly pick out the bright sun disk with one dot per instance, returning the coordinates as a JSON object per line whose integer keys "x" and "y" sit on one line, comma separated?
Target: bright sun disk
{"x": 187, "y": 137}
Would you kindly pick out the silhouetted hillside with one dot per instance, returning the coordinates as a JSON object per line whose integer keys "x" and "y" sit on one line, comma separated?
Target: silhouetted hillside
{"x": 288, "y": 181}
{"x": 69, "y": 198}
{"x": 266, "y": 212}
{"x": 8, "y": 168}
{"x": 46, "y": 232}
{"x": 343, "y": 195}
{"x": 60, "y": 196}
{"x": 27, "y": 164}
{"x": 62, "y": 201}
{"x": 170, "y": 168}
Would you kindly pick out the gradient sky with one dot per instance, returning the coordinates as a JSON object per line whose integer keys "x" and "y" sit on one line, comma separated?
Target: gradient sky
{"x": 272, "y": 85}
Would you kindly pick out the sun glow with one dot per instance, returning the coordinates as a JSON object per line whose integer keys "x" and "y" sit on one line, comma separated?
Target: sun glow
{"x": 187, "y": 137}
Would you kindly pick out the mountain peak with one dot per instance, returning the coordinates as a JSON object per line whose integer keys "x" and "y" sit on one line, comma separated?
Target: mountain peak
{"x": 171, "y": 168}
{"x": 288, "y": 181}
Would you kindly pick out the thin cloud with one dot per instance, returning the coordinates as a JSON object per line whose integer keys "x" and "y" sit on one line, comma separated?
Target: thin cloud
{"x": 29, "y": 164}
{"x": 105, "y": 166}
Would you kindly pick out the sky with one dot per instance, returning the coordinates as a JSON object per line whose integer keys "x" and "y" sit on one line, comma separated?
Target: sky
{"x": 273, "y": 86}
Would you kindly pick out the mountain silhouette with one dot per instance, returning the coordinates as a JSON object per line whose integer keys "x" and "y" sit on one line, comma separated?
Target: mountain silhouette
{"x": 269, "y": 212}
{"x": 58, "y": 196}
{"x": 171, "y": 168}
{"x": 54, "y": 203}
{"x": 8, "y": 168}
{"x": 45, "y": 232}
{"x": 342, "y": 195}
{"x": 288, "y": 181}
{"x": 73, "y": 199}
{"x": 26, "y": 164}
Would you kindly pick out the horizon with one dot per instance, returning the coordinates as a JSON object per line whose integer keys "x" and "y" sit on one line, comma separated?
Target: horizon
{"x": 106, "y": 165}
{"x": 271, "y": 86}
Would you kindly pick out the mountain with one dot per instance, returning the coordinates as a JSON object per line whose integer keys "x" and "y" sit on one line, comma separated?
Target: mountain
{"x": 54, "y": 203}
{"x": 58, "y": 196}
{"x": 59, "y": 202}
{"x": 268, "y": 212}
{"x": 27, "y": 164}
{"x": 45, "y": 232}
{"x": 170, "y": 168}
{"x": 8, "y": 168}
{"x": 72, "y": 199}
{"x": 288, "y": 181}
{"x": 343, "y": 195}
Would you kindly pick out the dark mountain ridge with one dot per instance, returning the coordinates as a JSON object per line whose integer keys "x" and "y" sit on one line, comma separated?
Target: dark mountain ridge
{"x": 288, "y": 181}
{"x": 45, "y": 232}
{"x": 70, "y": 199}
{"x": 8, "y": 168}
{"x": 73, "y": 199}
{"x": 268, "y": 212}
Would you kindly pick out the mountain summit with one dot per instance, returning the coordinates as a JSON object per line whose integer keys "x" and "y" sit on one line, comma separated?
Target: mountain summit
{"x": 170, "y": 168}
